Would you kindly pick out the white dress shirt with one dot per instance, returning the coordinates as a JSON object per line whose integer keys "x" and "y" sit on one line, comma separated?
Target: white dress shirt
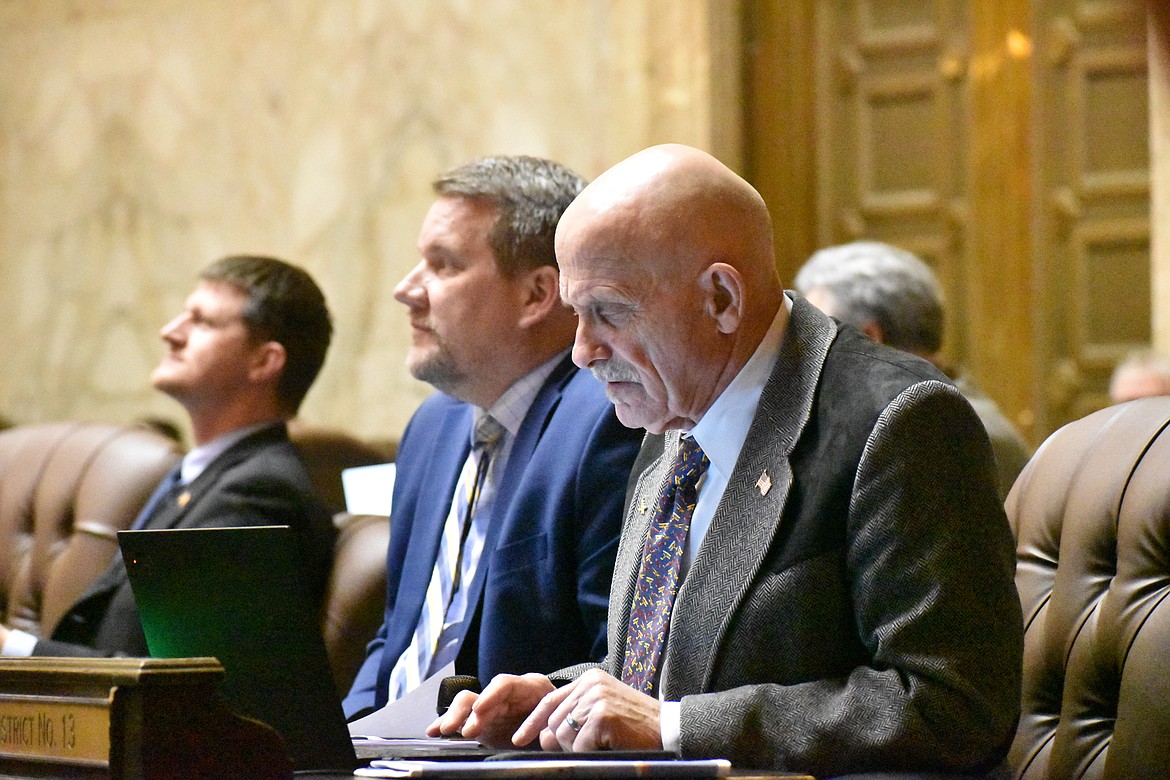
{"x": 721, "y": 434}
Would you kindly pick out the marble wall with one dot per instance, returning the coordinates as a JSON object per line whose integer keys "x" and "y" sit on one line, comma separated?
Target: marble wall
{"x": 141, "y": 139}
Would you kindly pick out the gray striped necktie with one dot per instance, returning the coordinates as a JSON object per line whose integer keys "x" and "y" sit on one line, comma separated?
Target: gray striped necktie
{"x": 412, "y": 665}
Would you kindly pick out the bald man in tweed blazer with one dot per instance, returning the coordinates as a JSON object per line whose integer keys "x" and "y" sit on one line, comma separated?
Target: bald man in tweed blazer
{"x": 847, "y": 602}
{"x": 861, "y": 601}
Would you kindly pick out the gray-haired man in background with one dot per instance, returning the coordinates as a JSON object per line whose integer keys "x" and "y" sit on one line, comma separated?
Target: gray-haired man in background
{"x": 894, "y": 298}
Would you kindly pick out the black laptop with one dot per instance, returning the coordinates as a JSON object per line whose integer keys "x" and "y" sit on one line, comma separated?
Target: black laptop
{"x": 238, "y": 595}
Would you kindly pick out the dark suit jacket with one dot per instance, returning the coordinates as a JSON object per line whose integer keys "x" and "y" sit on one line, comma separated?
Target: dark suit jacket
{"x": 541, "y": 588}
{"x": 258, "y": 481}
{"x": 861, "y": 614}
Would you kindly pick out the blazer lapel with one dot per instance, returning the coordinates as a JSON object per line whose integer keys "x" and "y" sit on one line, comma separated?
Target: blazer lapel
{"x": 175, "y": 513}
{"x": 748, "y": 516}
{"x": 533, "y": 427}
{"x": 430, "y": 515}
{"x": 633, "y": 539}
{"x": 531, "y": 430}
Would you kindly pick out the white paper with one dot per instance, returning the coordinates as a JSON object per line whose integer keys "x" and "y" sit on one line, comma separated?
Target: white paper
{"x": 368, "y": 489}
{"x": 428, "y": 744}
{"x": 408, "y": 716}
{"x": 592, "y": 768}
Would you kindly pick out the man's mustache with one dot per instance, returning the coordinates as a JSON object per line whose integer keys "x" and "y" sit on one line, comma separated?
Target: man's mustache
{"x": 614, "y": 371}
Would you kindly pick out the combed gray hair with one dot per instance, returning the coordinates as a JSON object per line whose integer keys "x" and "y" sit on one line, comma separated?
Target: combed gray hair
{"x": 875, "y": 282}
{"x": 530, "y": 195}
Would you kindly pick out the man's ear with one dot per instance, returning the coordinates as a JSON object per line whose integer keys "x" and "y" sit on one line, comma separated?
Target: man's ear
{"x": 268, "y": 361}
{"x": 539, "y": 294}
{"x": 872, "y": 329}
{"x": 723, "y": 296}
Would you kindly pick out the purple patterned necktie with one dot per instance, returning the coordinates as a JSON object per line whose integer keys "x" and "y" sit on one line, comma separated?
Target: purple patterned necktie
{"x": 658, "y": 577}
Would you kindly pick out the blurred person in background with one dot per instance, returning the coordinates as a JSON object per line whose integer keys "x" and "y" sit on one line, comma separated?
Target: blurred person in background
{"x": 893, "y": 297}
{"x": 1143, "y": 373}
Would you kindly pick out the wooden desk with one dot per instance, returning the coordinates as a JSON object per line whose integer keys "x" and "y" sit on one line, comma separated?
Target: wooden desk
{"x": 738, "y": 774}
{"x": 127, "y": 718}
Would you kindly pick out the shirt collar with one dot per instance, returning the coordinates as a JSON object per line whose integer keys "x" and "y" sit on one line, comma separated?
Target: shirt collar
{"x": 724, "y": 427}
{"x": 512, "y": 407}
{"x": 199, "y": 458}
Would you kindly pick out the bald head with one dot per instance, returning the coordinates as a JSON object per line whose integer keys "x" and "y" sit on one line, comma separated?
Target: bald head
{"x": 1142, "y": 374}
{"x": 684, "y": 204}
{"x": 667, "y": 259}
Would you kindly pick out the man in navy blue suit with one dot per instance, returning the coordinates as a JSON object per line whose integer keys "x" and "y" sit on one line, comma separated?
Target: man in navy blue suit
{"x": 510, "y": 482}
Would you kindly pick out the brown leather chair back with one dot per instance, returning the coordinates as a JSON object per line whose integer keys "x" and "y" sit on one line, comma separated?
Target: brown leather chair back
{"x": 356, "y": 599}
{"x": 327, "y": 452}
{"x": 66, "y": 489}
{"x": 356, "y": 596}
{"x": 1091, "y": 514}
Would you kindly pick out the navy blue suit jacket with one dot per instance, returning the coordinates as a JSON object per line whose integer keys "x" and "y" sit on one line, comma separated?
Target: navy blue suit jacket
{"x": 541, "y": 590}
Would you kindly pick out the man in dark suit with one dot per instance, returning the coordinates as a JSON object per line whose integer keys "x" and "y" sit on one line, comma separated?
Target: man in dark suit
{"x": 846, "y": 601}
{"x": 240, "y": 358}
{"x": 513, "y": 573}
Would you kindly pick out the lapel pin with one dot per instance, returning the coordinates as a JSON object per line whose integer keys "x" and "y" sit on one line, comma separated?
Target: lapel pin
{"x": 183, "y": 498}
{"x": 764, "y": 483}
{"x": 642, "y": 506}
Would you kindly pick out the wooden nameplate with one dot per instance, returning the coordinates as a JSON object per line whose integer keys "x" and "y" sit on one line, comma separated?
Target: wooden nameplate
{"x": 128, "y": 718}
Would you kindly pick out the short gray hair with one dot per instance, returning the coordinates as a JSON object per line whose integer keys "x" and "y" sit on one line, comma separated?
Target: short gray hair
{"x": 875, "y": 282}
{"x": 529, "y": 194}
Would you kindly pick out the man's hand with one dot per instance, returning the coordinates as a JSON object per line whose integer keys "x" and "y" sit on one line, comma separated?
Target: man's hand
{"x": 492, "y": 716}
{"x": 605, "y": 715}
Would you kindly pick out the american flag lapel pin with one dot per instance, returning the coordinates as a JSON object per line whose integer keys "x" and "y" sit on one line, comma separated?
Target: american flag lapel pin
{"x": 764, "y": 483}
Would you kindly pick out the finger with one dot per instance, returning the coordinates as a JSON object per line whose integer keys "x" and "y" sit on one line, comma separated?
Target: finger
{"x": 494, "y": 702}
{"x": 435, "y": 729}
{"x": 503, "y": 705}
{"x": 538, "y": 720}
{"x": 549, "y": 741}
{"x": 584, "y": 739}
{"x": 567, "y": 720}
{"x": 456, "y": 716}
{"x": 573, "y": 733}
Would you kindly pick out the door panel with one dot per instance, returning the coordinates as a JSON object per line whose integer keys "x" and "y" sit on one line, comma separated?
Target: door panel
{"x": 892, "y": 143}
{"x": 1007, "y": 144}
{"x": 1092, "y": 235}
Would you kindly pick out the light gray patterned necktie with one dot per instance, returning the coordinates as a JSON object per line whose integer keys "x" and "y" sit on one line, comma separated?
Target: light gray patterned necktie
{"x": 412, "y": 665}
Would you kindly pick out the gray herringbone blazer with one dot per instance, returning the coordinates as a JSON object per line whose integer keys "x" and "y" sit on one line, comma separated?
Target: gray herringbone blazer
{"x": 860, "y": 615}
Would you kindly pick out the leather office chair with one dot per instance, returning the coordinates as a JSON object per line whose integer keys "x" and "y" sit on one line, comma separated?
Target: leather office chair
{"x": 66, "y": 489}
{"x": 1091, "y": 515}
{"x": 327, "y": 452}
{"x": 356, "y": 597}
